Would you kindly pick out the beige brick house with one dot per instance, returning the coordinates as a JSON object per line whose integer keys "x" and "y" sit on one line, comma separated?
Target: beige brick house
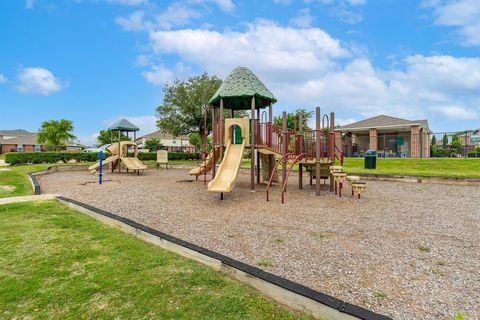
{"x": 172, "y": 143}
{"x": 389, "y": 136}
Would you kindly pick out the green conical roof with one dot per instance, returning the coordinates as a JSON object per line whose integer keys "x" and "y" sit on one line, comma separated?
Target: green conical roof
{"x": 238, "y": 89}
{"x": 123, "y": 125}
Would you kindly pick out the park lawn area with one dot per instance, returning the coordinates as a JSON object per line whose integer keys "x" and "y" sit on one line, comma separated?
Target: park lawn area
{"x": 432, "y": 167}
{"x": 17, "y": 177}
{"x": 56, "y": 263}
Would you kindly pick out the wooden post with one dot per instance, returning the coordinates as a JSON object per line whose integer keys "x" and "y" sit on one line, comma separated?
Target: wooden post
{"x": 258, "y": 153}
{"x": 214, "y": 141}
{"x": 300, "y": 150}
{"x": 252, "y": 144}
{"x": 331, "y": 135}
{"x": 285, "y": 146}
{"x": 119, "y": 151}
{"x": 220, "y": 129}
{"x": 317, "y": 156}
{"x": 269, "y": 139}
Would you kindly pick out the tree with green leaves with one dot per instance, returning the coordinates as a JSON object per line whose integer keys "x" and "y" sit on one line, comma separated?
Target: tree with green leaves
{"x": 105, "y": 137}
{"x": 292, "y": 118}
{"x": 152, "y": 144}
{"x": 184, "y": 103}
{"x": 196, "y": 139}
{"x": 445, "y": 140}
{"x": 55, "y": 133}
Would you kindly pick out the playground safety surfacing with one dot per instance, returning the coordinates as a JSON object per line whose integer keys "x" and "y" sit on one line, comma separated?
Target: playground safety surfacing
{"x": 404, "y": 250}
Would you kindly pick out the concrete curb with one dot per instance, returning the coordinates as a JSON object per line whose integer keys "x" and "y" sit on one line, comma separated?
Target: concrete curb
{"x": 289, "y": 293}
{"x": 419, "y": 179}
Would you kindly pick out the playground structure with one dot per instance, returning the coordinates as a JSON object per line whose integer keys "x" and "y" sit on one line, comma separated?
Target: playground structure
{"x": 270, "y": 145}
{"x": 118, "y": 152}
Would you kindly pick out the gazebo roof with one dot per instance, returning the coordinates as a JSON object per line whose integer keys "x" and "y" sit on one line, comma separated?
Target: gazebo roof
{"x": 123, "y": 125}
{"x": 238, "y": 89}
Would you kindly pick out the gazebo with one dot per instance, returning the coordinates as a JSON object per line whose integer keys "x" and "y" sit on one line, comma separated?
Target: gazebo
{"x": 120, "y": 127}
{"x": 241, "y": 90}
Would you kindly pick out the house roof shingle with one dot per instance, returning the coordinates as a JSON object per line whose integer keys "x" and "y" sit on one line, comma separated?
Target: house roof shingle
{"x": 382, "y": 121}
{"x": 162, "y": 135}
{"x": 15, "y": 132}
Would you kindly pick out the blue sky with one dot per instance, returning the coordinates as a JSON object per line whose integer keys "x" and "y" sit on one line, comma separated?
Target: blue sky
{"x": 96, "y": 61}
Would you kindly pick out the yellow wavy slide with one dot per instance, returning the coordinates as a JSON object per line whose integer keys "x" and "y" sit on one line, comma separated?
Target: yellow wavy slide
{"x": 226, "y": 176}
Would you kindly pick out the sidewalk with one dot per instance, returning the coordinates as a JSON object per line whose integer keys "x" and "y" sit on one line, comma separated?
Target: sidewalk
{"x": 27, "y": 198}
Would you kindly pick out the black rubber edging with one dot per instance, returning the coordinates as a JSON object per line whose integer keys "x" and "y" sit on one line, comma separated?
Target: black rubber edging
{"x": 35, "y": 184}
{"x": 297, "y": 288}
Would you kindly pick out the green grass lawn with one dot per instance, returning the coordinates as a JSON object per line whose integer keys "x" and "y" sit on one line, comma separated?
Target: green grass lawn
{"x": 56, "y": 263}
{"x": 452, "y": 168}
{"x": 17, "y": 177}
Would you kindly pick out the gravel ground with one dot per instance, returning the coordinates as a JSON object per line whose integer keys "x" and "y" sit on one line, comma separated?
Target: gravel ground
{"x": 410, "y": 251}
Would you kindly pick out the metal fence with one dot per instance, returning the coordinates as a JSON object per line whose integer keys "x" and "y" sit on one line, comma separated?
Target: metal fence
{"x": 463, "y": 144}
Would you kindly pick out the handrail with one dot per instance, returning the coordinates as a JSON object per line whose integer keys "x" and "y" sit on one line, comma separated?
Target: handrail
{"x": 298, "y": 158}
{"x": 341, "y": 155}
{"x": 274, "y": 170}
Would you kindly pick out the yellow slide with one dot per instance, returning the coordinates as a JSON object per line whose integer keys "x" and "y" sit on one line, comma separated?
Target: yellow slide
{"x": 109, "y": 160}
{"x": 226, "y": 176}
{"x": 133, "y": 163}
{"x": 206, "y": 165}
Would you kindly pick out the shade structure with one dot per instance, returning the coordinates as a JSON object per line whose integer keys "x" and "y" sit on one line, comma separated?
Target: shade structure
{"x": 123, "y": 125}
{"x": 239, "y": 87}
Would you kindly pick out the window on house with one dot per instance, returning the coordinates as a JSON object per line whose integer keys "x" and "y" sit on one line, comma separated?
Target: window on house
{"x": 19, "y": 147}
{"x": 174, "y": 141}
{"x": 38, "y": 148}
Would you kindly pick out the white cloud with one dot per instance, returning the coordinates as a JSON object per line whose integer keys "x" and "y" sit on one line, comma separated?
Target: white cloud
{"x": 29, "y": 4}
{"x": 461, "y": 14}
{"x": 346, "y": 15}
{"x": 303, "y": 20}
{"x": 3, "y": 79}
{"x": 176, "y": 15}
{"x": 158, "y": 75}
{"x": 89, "y": 139}
{"x": 322, "y": 70}
{"x": 134, "y": 22}
{"x": 38, "y": 81}
{"x": 264, "y": 47}
{"x": 457, "y": 112}
{"x": 225, "y": 5}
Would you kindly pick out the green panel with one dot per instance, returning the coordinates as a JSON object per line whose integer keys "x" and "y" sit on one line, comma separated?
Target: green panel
{"x": 237, "y": 135}
{"x": 400, "y": 141}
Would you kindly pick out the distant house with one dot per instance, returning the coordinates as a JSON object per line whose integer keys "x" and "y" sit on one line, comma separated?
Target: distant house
{"x": 389, "y": 136}
{"x": 470, "y": 138}
{"x": 170, "y": 142}
{"x": 20, "y": 140}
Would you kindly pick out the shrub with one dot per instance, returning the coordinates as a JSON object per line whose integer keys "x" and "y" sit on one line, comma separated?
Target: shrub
{"x": 19, "y": 158}
{"x": 474, "y": 153}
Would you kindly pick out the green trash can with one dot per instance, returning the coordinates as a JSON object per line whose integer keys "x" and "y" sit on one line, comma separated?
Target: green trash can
{"x": 371, "y": 159}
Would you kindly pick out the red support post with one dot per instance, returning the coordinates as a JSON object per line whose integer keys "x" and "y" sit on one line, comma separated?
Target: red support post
{"x": 319, "y": 152}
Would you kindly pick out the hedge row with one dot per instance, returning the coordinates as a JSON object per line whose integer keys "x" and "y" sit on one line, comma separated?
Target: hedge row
{"x": 145, "y": 156}
{"x": 18, "y": 158}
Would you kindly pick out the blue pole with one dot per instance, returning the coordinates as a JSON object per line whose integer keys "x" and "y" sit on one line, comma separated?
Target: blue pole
{"x": 100, "y": 174}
